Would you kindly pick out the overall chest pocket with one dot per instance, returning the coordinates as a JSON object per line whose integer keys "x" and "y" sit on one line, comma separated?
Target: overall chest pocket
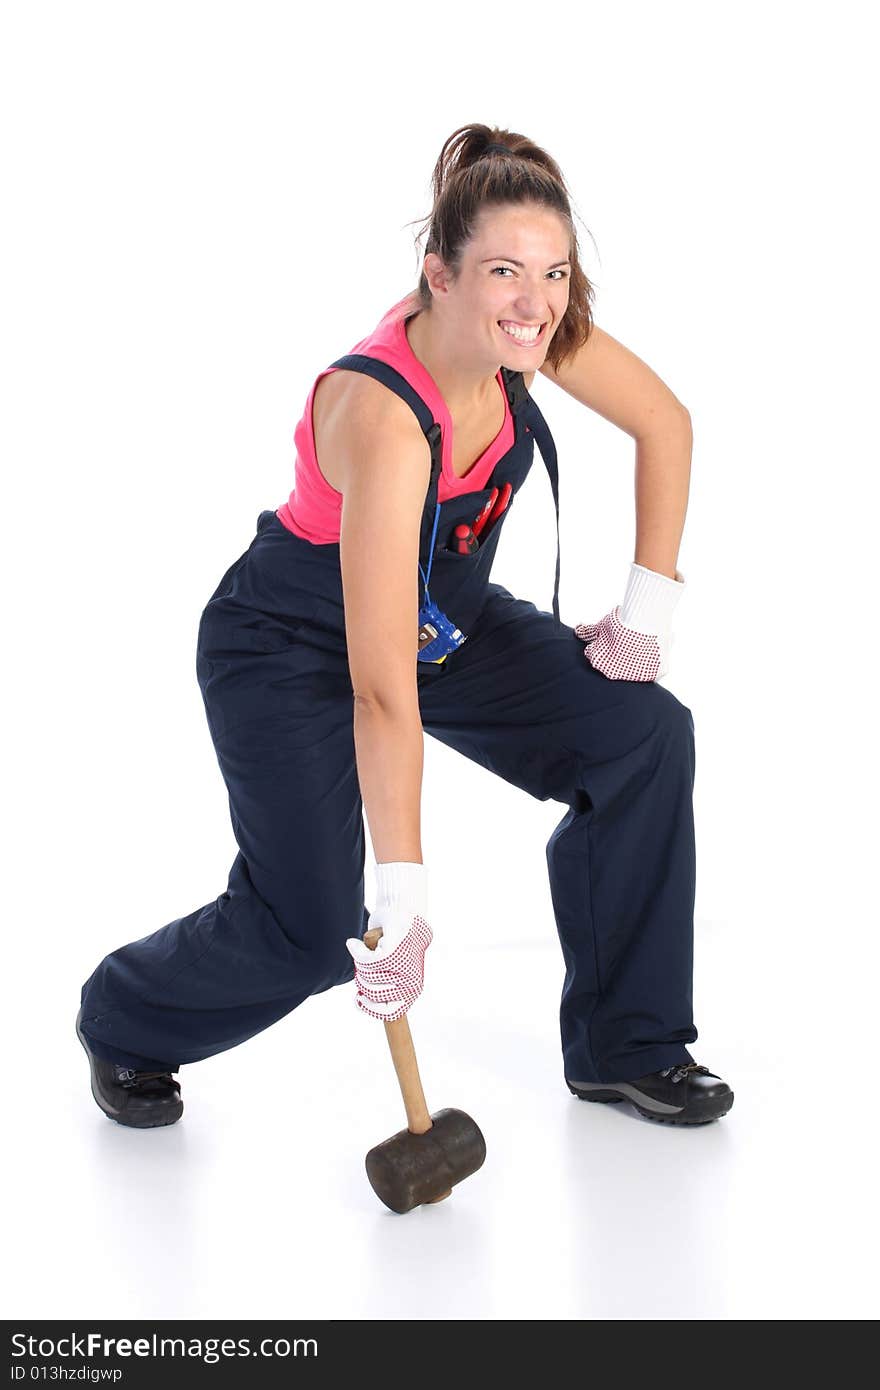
{"x": 486, "y": 509}
{"x": 458, "y": 583}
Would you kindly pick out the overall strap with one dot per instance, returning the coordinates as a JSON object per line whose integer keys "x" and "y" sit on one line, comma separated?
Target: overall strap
{"x": 390, "y": 377}
{"x": 544, "y": 440}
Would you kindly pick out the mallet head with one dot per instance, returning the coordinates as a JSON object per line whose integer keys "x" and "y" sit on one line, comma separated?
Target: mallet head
{"x": 409, "y": 1169}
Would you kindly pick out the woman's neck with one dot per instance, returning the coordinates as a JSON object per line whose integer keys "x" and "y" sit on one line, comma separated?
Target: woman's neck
{"x": 464, "y": 393}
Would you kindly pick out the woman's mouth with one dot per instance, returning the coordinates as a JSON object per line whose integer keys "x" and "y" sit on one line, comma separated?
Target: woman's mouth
{"x": 523, "y": 334}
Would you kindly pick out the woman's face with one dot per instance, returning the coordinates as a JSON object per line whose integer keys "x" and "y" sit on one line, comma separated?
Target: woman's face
{"x": 515, "y": 271}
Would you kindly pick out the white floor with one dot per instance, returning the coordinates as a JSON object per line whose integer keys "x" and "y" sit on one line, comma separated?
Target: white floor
{"x": 256, "y": 1203}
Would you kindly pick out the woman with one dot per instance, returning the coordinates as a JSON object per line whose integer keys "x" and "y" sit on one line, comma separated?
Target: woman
{"x": 410, "y": 453}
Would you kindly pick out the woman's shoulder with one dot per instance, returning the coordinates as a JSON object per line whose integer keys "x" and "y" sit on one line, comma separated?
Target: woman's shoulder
{"x": 355, "y": 399}
{"x": 350, "y": 411}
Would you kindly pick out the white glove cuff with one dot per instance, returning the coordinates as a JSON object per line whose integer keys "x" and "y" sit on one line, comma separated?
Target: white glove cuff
{"x": 650, "y": 599}
{"x": 402, "y": 887}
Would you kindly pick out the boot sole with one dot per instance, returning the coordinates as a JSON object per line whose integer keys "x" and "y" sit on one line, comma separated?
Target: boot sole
{"x": 169, "y": 1118}
{"x": 700, "y": 1114}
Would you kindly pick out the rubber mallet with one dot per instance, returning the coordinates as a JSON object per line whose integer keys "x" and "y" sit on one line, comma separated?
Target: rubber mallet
{"x": 423, "y": 1162}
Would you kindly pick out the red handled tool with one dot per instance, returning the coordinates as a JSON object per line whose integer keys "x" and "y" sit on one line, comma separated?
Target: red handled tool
{"x": 464, "y": 542}
{"x": 499, "y": 507}
{"x": 484, "y": 514}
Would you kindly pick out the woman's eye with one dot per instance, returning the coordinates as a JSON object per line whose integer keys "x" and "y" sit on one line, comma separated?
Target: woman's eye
{"x": 563, "y": 273}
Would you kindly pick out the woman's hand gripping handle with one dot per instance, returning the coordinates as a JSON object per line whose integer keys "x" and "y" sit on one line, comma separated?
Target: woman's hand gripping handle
{"x": 390, "y": 977}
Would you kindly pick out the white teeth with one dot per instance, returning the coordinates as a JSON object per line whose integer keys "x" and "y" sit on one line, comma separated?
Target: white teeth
{"x": 524, "y": 335}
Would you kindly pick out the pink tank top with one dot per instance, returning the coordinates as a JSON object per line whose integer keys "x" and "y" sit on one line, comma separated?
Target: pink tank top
{"x": 314, "y": 509}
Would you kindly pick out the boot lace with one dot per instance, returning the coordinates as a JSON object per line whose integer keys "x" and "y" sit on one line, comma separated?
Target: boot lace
{"x": 678, "y": 1073}
{"x": 131, "y": 1079}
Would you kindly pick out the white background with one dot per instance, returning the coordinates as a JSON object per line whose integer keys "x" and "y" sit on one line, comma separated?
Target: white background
{"x": 205, "y": 205}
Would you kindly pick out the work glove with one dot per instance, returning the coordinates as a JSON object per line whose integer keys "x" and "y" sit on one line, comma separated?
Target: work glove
{"x": 633, "y": 642}
{"x": 390, "y": 978}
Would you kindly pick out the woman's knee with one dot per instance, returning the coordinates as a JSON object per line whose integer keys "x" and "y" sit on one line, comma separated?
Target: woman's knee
{"x": 648, "y": 718}
{"x": 674, "y": 718}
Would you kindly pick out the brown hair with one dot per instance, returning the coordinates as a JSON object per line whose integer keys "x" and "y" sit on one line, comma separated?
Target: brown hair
{"x": 469, "y": 177}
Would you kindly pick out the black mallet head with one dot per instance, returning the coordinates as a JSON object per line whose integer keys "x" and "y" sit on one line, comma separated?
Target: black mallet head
{"x": 409, "y": 1170}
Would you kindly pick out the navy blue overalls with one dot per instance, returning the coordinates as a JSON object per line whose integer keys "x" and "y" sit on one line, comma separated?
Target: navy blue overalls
{"x": 519, "y": 697}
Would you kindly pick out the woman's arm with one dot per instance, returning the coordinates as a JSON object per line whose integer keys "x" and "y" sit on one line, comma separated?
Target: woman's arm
{"x": 382, "y": 461}
{"x": 609, "y": 379}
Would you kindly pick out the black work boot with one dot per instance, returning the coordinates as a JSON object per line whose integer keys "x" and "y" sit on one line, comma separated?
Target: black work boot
{"x": 141, "y": 1099}
{"x": 684, "y": 1095}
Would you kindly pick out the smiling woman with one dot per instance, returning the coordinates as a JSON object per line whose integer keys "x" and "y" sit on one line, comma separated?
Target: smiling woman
{"x": 534, "y": 244}
{"x": 362, "y": 615}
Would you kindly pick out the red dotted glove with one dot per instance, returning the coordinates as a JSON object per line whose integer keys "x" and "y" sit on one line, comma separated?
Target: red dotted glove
{"x": 634, "y": 640}
{"x": 388, "y": 986}
{"x": 391, "y": 977}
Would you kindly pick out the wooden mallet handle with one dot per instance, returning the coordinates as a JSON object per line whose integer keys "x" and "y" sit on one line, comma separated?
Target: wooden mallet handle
{"x": 403, "y": 1054}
